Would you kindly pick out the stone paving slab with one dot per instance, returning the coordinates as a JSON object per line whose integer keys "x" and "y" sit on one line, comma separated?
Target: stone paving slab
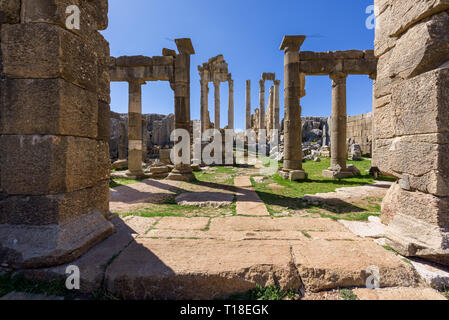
{"x": 227, "y": 236}
{"x": 325, "y": 265}
{"x": 205, "y": 199}
{"x": 275, "y": 224}
{"x": 368, "y": 229}
{"x": 249, "y": 203}
{"x": 178, "y": 223}
{"x": 399, "y": 294}
{"x": 242, "y": 181}
{"x": 332, "y": 235}
{"x": 199, "y": 269}
{"x": 139, "y": 225}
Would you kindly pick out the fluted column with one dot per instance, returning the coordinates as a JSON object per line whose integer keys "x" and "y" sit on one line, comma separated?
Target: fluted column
{"x": 217, "y": 105}
{"x": 261, "y": 104}
{"x": 135, "y": 129}
{"x": 248, "y": 105}
{"x": 292, "y": 124}
{"x": 231, "y": 104}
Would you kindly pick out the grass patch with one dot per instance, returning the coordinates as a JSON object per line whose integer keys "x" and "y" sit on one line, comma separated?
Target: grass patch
{"x": 347, "y": 294}
{"x": 220, "y": 174}
{"x": 270, "y": 293}
{"x": 117, "y": 182}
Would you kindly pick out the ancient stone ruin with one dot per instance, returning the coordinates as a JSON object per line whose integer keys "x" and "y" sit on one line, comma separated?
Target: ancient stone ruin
{"x": 233, "y": 229}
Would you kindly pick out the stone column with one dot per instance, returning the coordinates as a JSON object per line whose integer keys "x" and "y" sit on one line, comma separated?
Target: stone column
{"x": 204, "y": 105}
{"x": 181, "y": 87}
{"x": 276, "y": 105}
{"x": 135, "y": 129}
{"x": 217, "y": 105}
{"x": 231, "y": 105}
{"x": 339, "y": 120}
{"x": 292, "y": 124}
{"x": 248, "y": 105}
{"x": 261, "y": 104}
{"x": 122, "y": 148}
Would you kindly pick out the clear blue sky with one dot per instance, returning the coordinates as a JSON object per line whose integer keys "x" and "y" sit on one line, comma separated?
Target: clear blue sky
{"x": 248, "y": 33}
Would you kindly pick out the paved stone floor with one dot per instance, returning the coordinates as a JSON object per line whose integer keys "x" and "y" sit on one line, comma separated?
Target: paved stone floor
{"x": 206, "y": 257}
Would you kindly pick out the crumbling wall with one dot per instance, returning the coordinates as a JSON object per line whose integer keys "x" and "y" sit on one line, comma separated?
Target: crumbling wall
{"x": 54, "y": 132}
{"x": 360, "y": 131}
{"x": 411, "y": 123}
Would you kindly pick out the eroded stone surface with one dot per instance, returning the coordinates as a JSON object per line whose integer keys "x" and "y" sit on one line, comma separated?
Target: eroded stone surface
{"x": 399, "y": 294}
{"x": 199, "y": 269}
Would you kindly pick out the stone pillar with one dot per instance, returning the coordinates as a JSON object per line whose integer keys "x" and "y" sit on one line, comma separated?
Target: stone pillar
{"x": 204, "y": 105}
{"x": 231, "y": 105}
{"x": 276, "y": 105}
{"x": 339, "y": 151}
{"x": 181, "y": 86}
{"x": 248, "y": 105}
{"x": 217, "y": 105}
{"x": 135, "y": 129}
{"x": 261, "y": 104}
{"x": 292, "y": 120}
{"x": 54, "y": 134}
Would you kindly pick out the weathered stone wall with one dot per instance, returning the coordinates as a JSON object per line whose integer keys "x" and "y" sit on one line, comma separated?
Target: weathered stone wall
{"x": 360, "y": 131}
{"x": 54, "y": 132}
{"x": 156, "y": 133}
{"x": 411, "y": 117}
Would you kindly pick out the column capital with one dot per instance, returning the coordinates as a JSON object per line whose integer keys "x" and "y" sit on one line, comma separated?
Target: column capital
{"x": 137, "y": 82}
{"x": 338, "y": 77}
{"x": 373, "y": 76}
{"x": 277, "y": 82}
{"x": 292, "y": 43}
{"x": 216, "y": 83}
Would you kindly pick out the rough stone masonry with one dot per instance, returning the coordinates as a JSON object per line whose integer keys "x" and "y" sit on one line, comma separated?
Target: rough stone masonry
{"x": 54, "y": 132}
{"x": 411, "y": 116}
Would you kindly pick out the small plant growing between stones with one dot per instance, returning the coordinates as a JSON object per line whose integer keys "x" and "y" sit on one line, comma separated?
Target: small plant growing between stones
{"x": 269, "y": 293}
{"x": 347, "y": 294}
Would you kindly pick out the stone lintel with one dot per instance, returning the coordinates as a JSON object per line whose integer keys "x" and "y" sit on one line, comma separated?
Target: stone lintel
{"x": 268, "y": 76}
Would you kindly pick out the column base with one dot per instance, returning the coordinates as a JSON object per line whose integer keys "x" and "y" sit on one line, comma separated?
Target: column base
{"x": 138, "y": 174}
{"x": 31, "y": 246}
{"x": 293, "y": 175}
{"x": 182, "y": 173}
{"x": 333, "y": 173}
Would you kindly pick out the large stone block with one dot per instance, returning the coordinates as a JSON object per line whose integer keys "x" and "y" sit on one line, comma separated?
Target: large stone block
{"x": 54, "y": 209}
{"x": 100, "y": 47}
{"x": 104, "y": 122}
{"x": 384, "y": 25}
{"x": 423, "y": 158}
{"x": 9, "y": 11}
{"x": 41, "y": 50}
{"x": 418, "y": 224}
{"x": 54, "y": 12}
{"x": 406, "y": 13}
{"x": 421, "y": 104}
{"x": 47, "y": 107}
{"x": 24, "y": 246}
{"x": 424, "y": 47}
{"x": 422, "y": 206}
{"x": 39, "y": 165}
